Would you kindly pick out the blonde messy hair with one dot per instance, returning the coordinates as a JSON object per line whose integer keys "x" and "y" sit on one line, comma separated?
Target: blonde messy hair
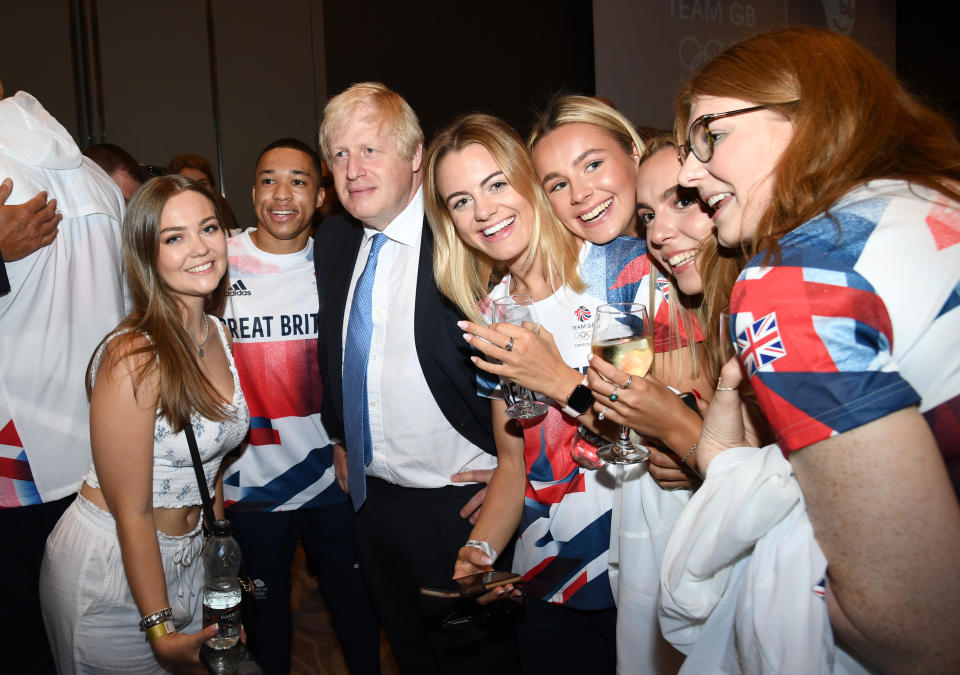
{"x": 577, "y": 109}
{"x": 389, "y": 107}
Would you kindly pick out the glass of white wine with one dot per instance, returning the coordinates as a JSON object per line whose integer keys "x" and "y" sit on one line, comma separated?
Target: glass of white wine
{"x": 623, "y": 336}
{"x": 519, "y": 310}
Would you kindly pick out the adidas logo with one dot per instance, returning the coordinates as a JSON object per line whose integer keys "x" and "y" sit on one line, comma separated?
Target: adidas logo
{"x": 238, "y": 289}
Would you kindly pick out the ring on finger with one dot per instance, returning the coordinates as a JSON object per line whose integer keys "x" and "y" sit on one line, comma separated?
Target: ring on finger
{"x": 626, "y": 385}
{"x": 719, "y": 388}
{"x": 601, "y": 414}
{"x": 509, "y": 345}
{"x": 613, "y": 395}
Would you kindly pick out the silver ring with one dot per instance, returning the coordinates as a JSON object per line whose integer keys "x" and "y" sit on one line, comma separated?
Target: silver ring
{"x": 601, "y": 414}
{"x": 726, "y": 388}
{"x": 509, "y": 346}
{"x": 627, "y": 384}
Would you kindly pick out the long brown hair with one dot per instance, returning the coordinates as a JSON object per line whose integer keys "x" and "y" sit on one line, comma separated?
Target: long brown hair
{"x": 682, "y": 310}
{"x": 853, "y": 122}
{"x": 151, "y": 340}
{"x": 463, "y": 274}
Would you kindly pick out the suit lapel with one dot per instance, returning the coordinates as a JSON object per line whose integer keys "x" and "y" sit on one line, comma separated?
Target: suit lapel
{"x": 333, "y": 314}
{"x": 426, "y": 307}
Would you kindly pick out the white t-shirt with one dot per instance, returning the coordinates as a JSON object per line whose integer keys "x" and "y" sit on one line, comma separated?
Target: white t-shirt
{"x": 271, "y": 312}
{"x": 565, "y": 525}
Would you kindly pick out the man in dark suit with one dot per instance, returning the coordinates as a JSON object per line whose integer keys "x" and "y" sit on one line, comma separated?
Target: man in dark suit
{"x": 399, "y": 389}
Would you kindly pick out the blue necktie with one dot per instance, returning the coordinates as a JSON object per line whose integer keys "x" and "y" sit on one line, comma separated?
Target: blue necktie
{"x": 356, "y": 355}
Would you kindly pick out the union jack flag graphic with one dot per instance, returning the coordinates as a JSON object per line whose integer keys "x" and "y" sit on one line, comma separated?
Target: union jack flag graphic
{"x": 663, "y": 285}
{"x": 582, "y": 313}
{"x": 760, "y": 344}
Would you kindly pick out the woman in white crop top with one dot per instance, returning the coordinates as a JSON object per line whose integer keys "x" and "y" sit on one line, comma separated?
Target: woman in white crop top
{"x": 129, "y": 546}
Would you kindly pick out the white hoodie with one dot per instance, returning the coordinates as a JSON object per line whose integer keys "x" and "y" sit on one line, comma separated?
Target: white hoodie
{"x": 741, "y": 582}
{"x": 63, "y": 299}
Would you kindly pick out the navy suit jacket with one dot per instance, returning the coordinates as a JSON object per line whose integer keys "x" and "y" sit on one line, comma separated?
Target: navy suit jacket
{"x": 444, "y": 355}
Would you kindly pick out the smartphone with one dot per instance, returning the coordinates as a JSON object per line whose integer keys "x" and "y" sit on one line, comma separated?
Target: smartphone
{"x": 471, "y": 585}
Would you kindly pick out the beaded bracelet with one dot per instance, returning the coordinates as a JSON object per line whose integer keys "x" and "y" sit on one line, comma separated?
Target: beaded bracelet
{"x": 156, "y": 618}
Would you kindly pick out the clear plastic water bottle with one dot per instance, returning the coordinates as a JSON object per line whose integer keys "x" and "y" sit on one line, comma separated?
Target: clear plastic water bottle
{"x": 221, "y": 592}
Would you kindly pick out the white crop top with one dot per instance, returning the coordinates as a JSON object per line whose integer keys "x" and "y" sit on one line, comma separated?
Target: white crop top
{"x": 174, "y": 480}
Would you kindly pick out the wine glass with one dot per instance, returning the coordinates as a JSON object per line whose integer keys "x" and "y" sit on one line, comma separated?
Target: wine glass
{"x": 623, "y": 336}
{"x": 518, "y": 310}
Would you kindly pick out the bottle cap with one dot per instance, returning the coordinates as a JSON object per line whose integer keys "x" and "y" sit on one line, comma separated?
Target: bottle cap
{"x": 221, "y": 528}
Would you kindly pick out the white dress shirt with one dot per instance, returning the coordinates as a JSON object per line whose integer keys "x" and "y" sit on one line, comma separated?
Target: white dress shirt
{"x": 413, "y": 443}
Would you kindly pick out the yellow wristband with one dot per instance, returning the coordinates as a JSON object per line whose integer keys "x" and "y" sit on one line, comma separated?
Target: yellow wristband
{"x": 159, "y": 630}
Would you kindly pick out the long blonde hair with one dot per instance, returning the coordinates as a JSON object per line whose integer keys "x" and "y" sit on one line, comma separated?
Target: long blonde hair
{"x": 152, "y": 338}
{"x": 463, "y": 274}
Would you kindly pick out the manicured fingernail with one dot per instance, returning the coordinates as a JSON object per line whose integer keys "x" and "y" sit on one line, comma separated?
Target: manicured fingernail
{"x": 590, "y": 357}
{"x": 462, "y": 325}
{"x": 696, "y": 393}
{"x": 473, "y": 358}
{"x": 467, "y": 336}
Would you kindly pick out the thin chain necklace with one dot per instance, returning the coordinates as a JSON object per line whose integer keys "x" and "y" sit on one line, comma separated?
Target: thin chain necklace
{"x": 206, "y": 334}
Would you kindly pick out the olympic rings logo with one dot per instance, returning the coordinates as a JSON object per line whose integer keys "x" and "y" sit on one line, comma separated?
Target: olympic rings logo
{"x": 694, "y": 55}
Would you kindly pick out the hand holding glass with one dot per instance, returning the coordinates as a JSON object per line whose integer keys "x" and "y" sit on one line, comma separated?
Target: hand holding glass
{"x": 518, "y": 310}
{"x": 623, "y": 336}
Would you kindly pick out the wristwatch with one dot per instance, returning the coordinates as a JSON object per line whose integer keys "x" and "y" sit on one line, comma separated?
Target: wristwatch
{"x": 580, "y": 400}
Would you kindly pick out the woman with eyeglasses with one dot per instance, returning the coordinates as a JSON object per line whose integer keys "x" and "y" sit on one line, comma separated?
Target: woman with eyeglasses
{"x": 845, "y": 192}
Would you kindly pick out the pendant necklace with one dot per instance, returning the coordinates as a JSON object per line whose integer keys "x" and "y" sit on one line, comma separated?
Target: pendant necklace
{"x": 206, "y": 334}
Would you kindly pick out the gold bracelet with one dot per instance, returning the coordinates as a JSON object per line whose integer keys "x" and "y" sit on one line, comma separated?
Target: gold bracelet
{"x": 159, "y": 630}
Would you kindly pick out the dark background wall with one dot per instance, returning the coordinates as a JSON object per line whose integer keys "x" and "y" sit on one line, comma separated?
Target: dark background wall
{"x": 926, "y": 55}
{"x": 445, "y": 58}
{"x": 149, "y": 65}
{"x": 153, "y": 94}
